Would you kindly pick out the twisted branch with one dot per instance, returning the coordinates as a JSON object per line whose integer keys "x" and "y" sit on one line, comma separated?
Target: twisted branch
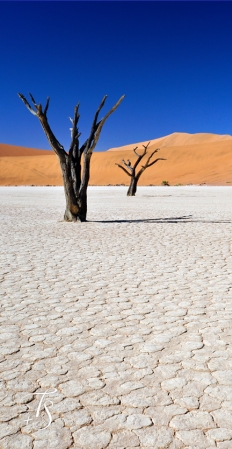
{"x": 132, "y": 169}
{"x": 96, "y": 128}
{"x": 91, "y": 143}
{"x": 42, "y": 116}
{"x": 75, "y": 134}
{"x": 140, "y": 156}
{"x": 123, "y": 168}
{"x": 128, "y": 165}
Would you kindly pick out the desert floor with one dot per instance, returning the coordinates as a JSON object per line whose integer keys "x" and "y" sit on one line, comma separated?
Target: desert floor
{"x": 125, "y": 321}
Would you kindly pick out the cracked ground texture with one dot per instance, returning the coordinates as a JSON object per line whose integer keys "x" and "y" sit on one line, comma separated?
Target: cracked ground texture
{"x": 125, "y": 321}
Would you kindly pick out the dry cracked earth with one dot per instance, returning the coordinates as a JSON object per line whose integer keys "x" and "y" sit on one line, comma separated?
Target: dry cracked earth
{"x": 125, "y": 322}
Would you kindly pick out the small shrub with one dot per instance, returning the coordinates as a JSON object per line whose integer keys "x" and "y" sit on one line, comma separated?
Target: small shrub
{"x": 165, "y": 183}
{"x": 178, "y": 184}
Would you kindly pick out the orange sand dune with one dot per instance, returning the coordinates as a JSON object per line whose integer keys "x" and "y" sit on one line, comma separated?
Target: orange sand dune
{"x": 13, "y": 150}
{"x": 28, "y": 170}
{"x": 177, "y": 139}
{"x": 187, "y": 164}
{"x": 190, "y": 159}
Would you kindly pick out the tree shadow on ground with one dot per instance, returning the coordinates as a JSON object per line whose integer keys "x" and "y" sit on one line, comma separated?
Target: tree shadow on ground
{"x": 183, "y": 219}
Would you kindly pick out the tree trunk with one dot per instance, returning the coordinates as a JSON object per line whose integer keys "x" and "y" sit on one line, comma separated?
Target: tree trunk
{"x": 72, "y": 210}
{"x": 76, "y": 207}
{"x": 82, "y": 202}
{"x": 75, "y": 211}
{"x": 133, "y": 186}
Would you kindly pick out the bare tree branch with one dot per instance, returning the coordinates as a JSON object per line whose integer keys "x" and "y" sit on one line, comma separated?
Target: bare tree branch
{"x": 92, "y": 132}
{"x": 90, "y": 146}
{"x": 140, "y": 157}
{"x": 128, "y": 165}
{"x": 46, "y": 107}
{"x": 135, "y": 151}
{"x": 144, "y": 151}
{"x": 129, "y": 174}
{"x": 55, "y": 144}
{"x": 33, "y": 101}
{"x": 75, "y": 134}
{"x": 152, "y": 163}
{"x": 27, "y": 104}
{"x": 102, "y": 121}
{"x": 93, "y": 128}
{"x": 83, "y": 147}
{"x": 152, "y": 154}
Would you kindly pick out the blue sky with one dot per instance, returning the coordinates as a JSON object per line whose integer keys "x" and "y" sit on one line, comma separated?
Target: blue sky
{"x": 173, "y": 60}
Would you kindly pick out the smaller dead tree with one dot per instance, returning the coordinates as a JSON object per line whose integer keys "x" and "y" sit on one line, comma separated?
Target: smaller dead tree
{"x": 130, "y": 169}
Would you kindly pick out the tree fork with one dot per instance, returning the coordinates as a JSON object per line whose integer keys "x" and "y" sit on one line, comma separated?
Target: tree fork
{"x": 75, "y": 179}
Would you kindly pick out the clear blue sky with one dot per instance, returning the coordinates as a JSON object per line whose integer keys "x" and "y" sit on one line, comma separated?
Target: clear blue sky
{"x": 173, "y": 60}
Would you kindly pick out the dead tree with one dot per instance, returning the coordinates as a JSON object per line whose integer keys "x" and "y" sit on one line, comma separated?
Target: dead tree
{"x": 130, "y": 169}
{"x": 74, "y": 164}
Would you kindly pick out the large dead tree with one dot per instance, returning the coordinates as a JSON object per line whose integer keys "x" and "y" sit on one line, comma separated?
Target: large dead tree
{"x": 74, "y": 164}
{"x": 130, "y": 169}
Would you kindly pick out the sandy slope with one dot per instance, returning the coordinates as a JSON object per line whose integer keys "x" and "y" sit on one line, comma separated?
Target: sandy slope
{"x": 178, "y": 139}
{"x": 28, "y": 170}
{"x": 210, "y": 163}
{"x": 195, "y": 159}
{"x": 13, "y": 150}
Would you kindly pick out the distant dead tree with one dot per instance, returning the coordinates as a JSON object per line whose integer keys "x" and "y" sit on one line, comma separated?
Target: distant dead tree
{"x": 75, "y": 178}
{"x": 130, "y": 169}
